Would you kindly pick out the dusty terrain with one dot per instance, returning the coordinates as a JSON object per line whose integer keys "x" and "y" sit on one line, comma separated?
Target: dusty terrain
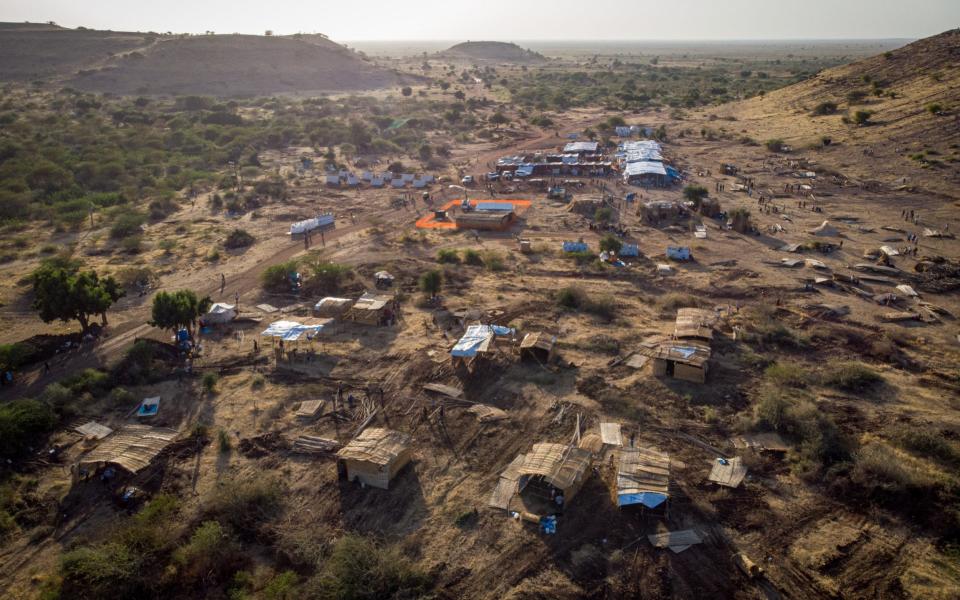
{"x": 813, "y": 537}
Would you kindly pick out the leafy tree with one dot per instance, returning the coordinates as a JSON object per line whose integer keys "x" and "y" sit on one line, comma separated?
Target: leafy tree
{"x": 21, "y": 422}
{"x": 695, "y": 194}
{"x": 603, "y": 215}
{"x": 611, "y": 243}
{"x": 65, "y": 293}
{"x": 431, "y": 282}
{"x": 862, "y": 117}
{"x": 407, "y": 91}
{"x": 425, "y": 152}
{"x": 741, "y": 219}
{"x": 180, "y": 309}
{"x": 498, "y": 119}
{"x": 238, "y": 238}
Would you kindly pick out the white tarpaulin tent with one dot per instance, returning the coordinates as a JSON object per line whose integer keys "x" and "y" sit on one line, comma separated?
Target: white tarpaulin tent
{"x": 220, "y": 313}
{"x": 290, "y": 331}
{"x": 477, "y": 339}
{"x": 311, "y": 224}
{"x": 644, "y": 167}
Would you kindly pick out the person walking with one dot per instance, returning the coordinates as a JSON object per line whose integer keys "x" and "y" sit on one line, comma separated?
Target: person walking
{"x": 223, "y": 283}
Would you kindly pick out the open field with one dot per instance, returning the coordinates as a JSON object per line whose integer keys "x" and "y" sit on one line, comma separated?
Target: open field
{"x": 862, "y": 501}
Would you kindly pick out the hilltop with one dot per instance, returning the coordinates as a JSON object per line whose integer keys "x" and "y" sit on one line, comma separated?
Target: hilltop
{"x": 494, "y": 51}
{"x": 149, "y": 63}
{"x": 909, "y": 98}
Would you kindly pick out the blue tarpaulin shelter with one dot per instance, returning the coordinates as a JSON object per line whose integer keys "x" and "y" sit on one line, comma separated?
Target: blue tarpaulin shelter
{"x": 495, "y": 206}
{"x": 678, "y": 252}
{"x": 575, "y": 247}
{"x": 290, "y": 331}
{"x": 643, "y": 477}
{"x": 629, "y": 250}
{"x": 476, "y": 339}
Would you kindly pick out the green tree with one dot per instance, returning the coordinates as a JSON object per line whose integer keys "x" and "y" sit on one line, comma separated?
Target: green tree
{"x": 180, "y": 309}
{"x": 498, "y": 119}
{"x": 425, "y": 152}
{"x": 431, "y": 282}
{"x": 695, "y": 194}
{"x": 603, "y": 215}
{"x": 65, "y": 293}
{"x": 611, "y": 243}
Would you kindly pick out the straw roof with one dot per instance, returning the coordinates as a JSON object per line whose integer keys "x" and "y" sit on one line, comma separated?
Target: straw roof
{"x": 376, "y": 445}
{"x": 559, "y": 464}
{"x": 728, "y": 473}
{"x": 695, "y": 323}
{"x": 643, "y": 470}
{"x": 132, "y": 447}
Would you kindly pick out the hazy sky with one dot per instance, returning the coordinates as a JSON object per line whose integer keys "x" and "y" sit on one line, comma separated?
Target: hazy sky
{"x": 508, "y": 19}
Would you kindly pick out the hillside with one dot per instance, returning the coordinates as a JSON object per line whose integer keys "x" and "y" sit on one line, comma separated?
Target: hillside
{"x": 30, "y": 51}
{"x": 235, "y": 65}
{"x": 494, "y": 51}
{"x": 912, "y": 95}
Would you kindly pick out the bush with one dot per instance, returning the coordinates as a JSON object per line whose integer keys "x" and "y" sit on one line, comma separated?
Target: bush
{"x": 928, "y": 442}
{"x": 603, "y": 215}
{"x": 238, "y": 238}
{"x": 825, "y": 108}
{"x": 934, "y": 108}
{"x": 669, "y": 303}
{"x": 494, "y": 261}
{"x": 775, "y": 145}
{"x": 576, "y": 298}
{"x": 856, "y": 96}
{"x": 431, "y": 282}
{"x": 223, "y": 440}
{"x": 695, "y": 194}
{"x": 23, "y": 422}
{"x": 851, "y": 377}
{"x": 13, "y": 356}
{"x": 862, "y": 117}
{"x": 448, "y": 256}
{"x": 359, "y": 568}
{"x": 472, "y": 257}
{"x": 610, "y": 243}
{"x": 326, "y": 277}
{"x": 787, "y": 374}
{"x": 245, "y": 504}
{"x": 209, "y": 382}
{"x": 276, "y": 278}
{"x": 210, "y": 555}
{"x": 127, "y": 225}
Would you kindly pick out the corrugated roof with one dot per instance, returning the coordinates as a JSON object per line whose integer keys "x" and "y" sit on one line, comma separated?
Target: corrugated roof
{"x": 686, "y": 352}
{"x": 643, "y": 470}
{"x": 560, "y": 465}
{"x": 729, "y": 474}
{"x": 132, "y": 447}
{"x": 695, "y": 323}
{"x": 376, "y": 445}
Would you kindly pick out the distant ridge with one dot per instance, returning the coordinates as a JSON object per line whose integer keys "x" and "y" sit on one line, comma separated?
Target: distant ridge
{"x": 493, "y": 51}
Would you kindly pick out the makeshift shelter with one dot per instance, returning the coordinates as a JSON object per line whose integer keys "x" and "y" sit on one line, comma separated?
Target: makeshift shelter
{"x": 94, "y": 430}
{"x": 645, "y": 172}
{"x": 374, "y": 457}
{"x": 762, "y": 442}
{"x": 538, "y": 346}
{"x": 149, "y": 407}
{"x": 325, "y": 221}
{"x": 485, "y": 220}
{"x": 728, "y": 472}
{"x": 332, "y": 307}
{"x": 581, "y": 148}
{"x": 610, "y": 434}
{"x": 643, "y": 477}
{"x": 681, "y": 359}
{"x": 656, "y": 211}
{"x": 679, "y": 253}
{"x": 825, "y": 230}
{"x": 291, "y": 331}
{"x": 696, "y": 323}
{"x": 575, "y": 247}
{"x": 220, "y": 313}
{"x": 382, "y": 279}
{"x": 370, "y": 309}
{"x": 309, "y": 409}
{"x": 546, "y": 471}
{"x": 477, "y": 340}
{"x": 132, "y": 449}
{"x": 677, "y": 541}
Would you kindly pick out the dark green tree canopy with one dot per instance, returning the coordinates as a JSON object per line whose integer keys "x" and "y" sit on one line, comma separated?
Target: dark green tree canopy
{"x": 180, "y": 309}
{"x": 62, "y": 291}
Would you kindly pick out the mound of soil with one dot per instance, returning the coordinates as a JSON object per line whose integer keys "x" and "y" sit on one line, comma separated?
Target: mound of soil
{"x": 498, "y": 51}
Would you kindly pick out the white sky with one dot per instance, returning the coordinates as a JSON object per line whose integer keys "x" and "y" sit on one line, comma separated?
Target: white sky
{"x": 508, "y": 20}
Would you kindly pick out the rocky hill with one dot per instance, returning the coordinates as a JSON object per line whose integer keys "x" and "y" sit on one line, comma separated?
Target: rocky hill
{"x": 148, "y": 63}
{"x": 493, "y": 51}
{"x": 892, "y": 118}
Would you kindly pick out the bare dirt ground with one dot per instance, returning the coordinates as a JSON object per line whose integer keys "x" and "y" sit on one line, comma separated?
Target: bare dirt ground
{"x": 810, "y": 545}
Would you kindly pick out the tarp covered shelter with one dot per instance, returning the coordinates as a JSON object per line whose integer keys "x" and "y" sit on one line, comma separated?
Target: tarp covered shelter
{"x": 575, "y": 247}
{"x": 679, "y": 252}
{"x": 290, "y": 331}
{"x": 132, "y": 448}
{"x": 319, "y": 222}
{"x": 476, "y": 340}
{"x": 149, "y": 407}
{"x": 643, "y": 477}
{"x": 825, "y": 229}
{"x": 369, "y": 309}
{"x": 728, "y": 472}
{"x": 92, "y": 429}
{"x": 581, "y": 147}
{"x": 558, "y": 465}
{"x": 680, "y": 359}
{"x": 332, "y": 307}
{"x": 220, "y": 313}
{"x": 375, "y": 456}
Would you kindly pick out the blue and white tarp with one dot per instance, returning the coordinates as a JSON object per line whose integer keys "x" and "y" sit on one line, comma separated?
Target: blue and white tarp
{"x": 629, "y": 250}
{"x": 495, "y": 206}
{"x": 644, "y": 167}
{"x": 524, "y": 170}
{"x": 640, "y": 150}
{"x": 648, "y": 499}
{"x": 675, "y": 174}
{"x": 476, "y": 339}
{"x": 678, "y": 252}
{"x": 290, "y": 331}
{"x": 578, "y": 147}
{"x": 575, "y": 247}
{"x": 311, "y": 224}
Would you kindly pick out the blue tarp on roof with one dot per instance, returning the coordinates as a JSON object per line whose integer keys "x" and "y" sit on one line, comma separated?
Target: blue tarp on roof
{"x": 524, "y": 170}
{"x": 474, "y": 340}
{"x": 291, "y": 330}
{"x": 495, "y": 206}
{"x": 648, "y": 499}
{"x": 629, "y": 250}
{"x": 575, "y": 247}
{"x": 673, "y": 172}
{"x": 678, "y": 252}
{"x": 644, "y": 167}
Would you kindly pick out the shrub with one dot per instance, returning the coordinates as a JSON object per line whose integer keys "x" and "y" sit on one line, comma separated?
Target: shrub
{"x": 223, "y": 440}
{"x": 603, "y": 214}
{"x": 431, "y": 282}
{"x": 472, "y": 257}
{"x": 669, "y": 303}
{"x": 211, "y": 554}
{"x": 856, "y": 96}
{"x": 126, "y": 225}
{"x": 276, "y": 278}
{"x": 851, "y": 377}
{"x": 787, "y": 374}
{"x": 13, "y": 356}
{"x": 610, "y": 243}
{"x": 494, "y": 261}
{"x": 934, "y": 108}
{"x": 576, "y": 298}
{"x": 23, "y": 422}
{"x": 245, "y": 504}
{"x": 695, "y": 193}
{"x": 359, "y": 568}
{"x": 209, "y": 382}
{"x": 862, "y": 117}
{"x": 282, "y": 587}
{"x": 928, "y": 442}
{"x": 238, "y": 238}
{"x": 825, "y": 108}
{"x": 448, "y": 256}
{"x": 775, "y": 145}
{"x": 326, "y": 277}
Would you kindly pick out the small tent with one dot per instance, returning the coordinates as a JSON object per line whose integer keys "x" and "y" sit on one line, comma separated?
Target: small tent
{"x": 220, "y": 313}
{"x": 825, "y": 230}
